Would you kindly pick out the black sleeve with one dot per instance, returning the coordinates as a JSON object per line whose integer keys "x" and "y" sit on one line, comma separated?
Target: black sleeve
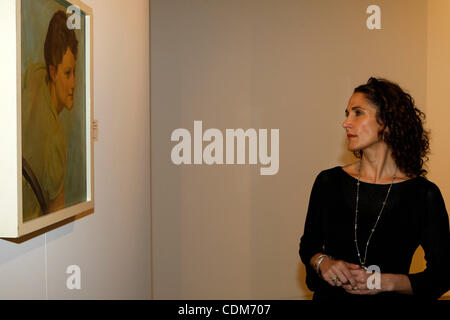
{"x": 311, "y": 242}
{"x": 435, "y": 241}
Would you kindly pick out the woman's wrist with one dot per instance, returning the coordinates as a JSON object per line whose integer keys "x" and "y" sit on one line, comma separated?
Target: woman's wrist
{"x": 317, "y": 260}
{"x": 387, "y": 282}
{"x": 396, "y": 282}
{"x": 313, "y": 260}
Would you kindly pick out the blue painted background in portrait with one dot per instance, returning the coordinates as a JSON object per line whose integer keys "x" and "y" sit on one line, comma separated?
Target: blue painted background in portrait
{"x": 36, "y": 15}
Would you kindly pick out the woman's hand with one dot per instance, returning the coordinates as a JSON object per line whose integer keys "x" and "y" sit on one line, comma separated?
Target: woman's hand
{"x": 388, "y": 282}
{"x": 361, "y": 276}
{"x": 339, "y": 273}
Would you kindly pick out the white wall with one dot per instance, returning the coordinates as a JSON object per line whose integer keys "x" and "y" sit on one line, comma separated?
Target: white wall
{"x": 112, "y": 246}
{"x": 224, "y": 231}
{"x": 438, "y": 87}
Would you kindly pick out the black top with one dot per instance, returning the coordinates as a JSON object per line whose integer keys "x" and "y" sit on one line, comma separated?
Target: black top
{"x": 414, "y": 215}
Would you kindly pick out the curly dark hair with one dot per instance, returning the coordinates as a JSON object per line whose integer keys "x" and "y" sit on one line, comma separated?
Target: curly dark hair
{"x": 402, "y": 125}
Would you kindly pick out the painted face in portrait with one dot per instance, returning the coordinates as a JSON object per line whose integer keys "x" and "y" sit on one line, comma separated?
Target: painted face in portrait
{"x": 63, "y": 78}
{"x": 360, "y": 123}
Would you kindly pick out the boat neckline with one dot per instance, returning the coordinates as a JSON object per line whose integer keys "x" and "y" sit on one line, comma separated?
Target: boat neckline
{"x": 376, "y": 184}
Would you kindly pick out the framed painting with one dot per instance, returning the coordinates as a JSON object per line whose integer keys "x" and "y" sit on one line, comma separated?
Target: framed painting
{"x": 47, "y": 146}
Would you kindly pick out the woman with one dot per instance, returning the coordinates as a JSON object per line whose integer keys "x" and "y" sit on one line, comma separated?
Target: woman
{"x": 374, "y": 213}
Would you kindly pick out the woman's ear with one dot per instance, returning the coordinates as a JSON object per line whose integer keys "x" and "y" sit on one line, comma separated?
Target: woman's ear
{"x": 384, "y": 131}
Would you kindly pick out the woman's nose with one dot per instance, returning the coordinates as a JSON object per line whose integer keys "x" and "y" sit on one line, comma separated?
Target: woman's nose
{"x": 346, "y": 123}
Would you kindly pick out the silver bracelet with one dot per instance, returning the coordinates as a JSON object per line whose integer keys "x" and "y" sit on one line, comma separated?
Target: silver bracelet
{"x": 319, "y": 260}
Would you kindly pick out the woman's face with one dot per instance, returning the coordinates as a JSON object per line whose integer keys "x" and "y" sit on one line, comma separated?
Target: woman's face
{"x": 360, "y": 123}
{"x": 63, "y": 77}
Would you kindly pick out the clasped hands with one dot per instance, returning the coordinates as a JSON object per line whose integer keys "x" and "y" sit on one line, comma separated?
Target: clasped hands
{"x": 349, "y": 276}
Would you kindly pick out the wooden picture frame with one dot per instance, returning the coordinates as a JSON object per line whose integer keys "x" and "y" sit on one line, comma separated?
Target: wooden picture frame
{"x": 46, "y": 87}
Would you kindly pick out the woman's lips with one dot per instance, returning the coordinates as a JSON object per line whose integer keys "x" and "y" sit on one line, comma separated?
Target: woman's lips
{"x": 350, "y": 136}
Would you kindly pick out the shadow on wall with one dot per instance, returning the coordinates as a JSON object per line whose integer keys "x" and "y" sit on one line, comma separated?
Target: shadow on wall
{"x": 301, "y": 280}
{"x": 11, "y": 248}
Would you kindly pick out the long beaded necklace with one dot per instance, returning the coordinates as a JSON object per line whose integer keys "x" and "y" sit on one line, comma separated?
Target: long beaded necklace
{"x": 363, "y": 262}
